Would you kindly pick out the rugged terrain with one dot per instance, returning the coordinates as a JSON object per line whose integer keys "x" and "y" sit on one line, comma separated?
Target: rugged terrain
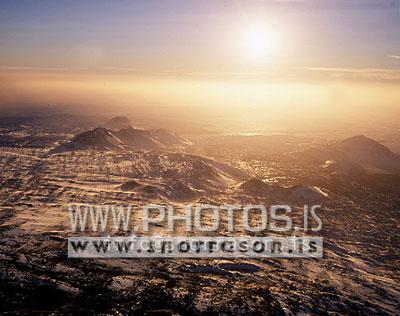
{"x": 360, "y": 198}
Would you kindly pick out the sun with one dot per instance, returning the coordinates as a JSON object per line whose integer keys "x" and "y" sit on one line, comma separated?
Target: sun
{"x": 259, "y": 42}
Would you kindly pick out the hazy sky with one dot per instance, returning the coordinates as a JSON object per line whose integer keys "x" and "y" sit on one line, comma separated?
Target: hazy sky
{"x": 191, "y": 34}
{"x": 191, "y": 52}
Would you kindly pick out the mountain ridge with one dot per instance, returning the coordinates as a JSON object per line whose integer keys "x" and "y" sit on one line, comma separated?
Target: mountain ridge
{"x": 104, "y": 139}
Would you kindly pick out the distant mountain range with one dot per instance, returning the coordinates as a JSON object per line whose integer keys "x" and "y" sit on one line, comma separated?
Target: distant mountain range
{"x": 128, "y": 138}
{"x": 353, "y": 156}
{"x": 97, "y": 139}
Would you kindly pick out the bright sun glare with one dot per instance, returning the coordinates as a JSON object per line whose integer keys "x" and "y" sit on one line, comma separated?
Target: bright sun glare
{"x": 259, "y": 42}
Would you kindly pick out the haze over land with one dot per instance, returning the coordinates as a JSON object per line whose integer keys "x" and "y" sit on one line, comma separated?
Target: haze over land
{"x": 319, "y": 65}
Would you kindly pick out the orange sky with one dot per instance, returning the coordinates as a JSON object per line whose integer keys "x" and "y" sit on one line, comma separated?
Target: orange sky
{"x": 265, "y": 58}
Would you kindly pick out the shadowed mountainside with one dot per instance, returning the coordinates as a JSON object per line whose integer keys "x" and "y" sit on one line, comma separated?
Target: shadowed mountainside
{"x": 370, "y": 154}
{"x": 353, "y": 156}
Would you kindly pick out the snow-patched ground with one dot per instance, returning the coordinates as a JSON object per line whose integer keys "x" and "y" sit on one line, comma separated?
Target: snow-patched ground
{"x": 359, "y": 272}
